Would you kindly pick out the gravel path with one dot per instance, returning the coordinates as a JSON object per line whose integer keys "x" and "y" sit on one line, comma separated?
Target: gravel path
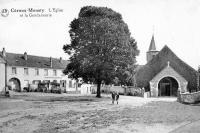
{"x": 54, "y": 113}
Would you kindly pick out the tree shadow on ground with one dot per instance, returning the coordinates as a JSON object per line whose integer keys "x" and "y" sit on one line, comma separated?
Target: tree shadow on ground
{"x": 60, "y": 98}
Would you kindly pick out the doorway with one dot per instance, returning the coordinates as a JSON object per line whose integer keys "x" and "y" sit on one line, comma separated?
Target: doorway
{"x": 15, "y": 84}
{"x": 168, "y": 86}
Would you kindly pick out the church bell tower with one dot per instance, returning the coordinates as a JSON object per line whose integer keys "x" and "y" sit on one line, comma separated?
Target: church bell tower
{"x": 152, "y": 50}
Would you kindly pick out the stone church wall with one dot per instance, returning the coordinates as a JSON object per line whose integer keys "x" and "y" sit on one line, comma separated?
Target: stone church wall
{"x": 167, "y": 72}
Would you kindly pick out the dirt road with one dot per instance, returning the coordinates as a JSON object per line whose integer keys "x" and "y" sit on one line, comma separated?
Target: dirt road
{"x": 54, "y": 113}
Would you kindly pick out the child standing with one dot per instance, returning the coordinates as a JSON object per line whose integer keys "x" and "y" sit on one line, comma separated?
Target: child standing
{"x": 117, "y": 97}
{"x": 113, "y": 97}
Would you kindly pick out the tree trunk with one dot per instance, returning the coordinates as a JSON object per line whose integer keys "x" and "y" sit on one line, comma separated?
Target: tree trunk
{"x": 98, "y": 89}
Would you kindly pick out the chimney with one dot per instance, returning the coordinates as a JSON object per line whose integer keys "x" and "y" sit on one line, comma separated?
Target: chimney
{"x": 51, "y": 64}
{"x": 25, "y": 56}
{"x": 4, "y": 52}
{"x": 60, "y": 59}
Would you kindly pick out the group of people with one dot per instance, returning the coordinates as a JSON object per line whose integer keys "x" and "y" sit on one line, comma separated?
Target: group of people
{"x": 115, "y": 97}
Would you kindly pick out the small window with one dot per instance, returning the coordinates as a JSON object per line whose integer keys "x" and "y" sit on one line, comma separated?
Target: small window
{"x": 45, "y": 72}
{"x": 37, "y": 71}
{"x": 54, "y": 73}
{"x": 14, "y": 70}
{"x": 70, "y": 84}
{"x": 26, "y": 71}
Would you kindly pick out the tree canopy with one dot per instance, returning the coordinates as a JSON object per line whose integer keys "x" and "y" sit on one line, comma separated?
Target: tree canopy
{"x": 101, "y": 47}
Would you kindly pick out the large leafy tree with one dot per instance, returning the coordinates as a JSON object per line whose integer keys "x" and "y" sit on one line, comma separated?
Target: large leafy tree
{"x": 101, "y": 48}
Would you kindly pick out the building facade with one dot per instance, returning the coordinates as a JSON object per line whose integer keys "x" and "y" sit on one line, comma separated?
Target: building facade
{"x": 2, "y": 74}
{"x": 165, "y": 74}
{"x": 22, "y": 70}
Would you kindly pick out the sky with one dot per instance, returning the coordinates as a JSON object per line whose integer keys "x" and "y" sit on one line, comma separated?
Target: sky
{"x": 175, "y": 23}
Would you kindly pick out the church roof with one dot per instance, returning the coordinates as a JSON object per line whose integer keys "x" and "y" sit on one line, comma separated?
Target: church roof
{"x": 152, "y": 46}
{"x": 159, "y": 62}
{"x": 14, "y": 59}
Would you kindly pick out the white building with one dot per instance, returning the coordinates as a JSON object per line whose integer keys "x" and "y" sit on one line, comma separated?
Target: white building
{"x": 2, "y": 74}
{"x": 21, "y": 70}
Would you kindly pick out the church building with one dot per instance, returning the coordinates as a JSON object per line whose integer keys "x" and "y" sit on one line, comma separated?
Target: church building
{"x": 165, "y": 74}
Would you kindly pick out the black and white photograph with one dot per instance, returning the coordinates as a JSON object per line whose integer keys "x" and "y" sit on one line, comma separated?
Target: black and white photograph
{"x": 99, "y": 66}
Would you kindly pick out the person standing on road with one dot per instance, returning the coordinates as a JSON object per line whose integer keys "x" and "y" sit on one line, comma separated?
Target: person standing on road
{"x": 113, "y": 97}
{"x": 117, "y": 97}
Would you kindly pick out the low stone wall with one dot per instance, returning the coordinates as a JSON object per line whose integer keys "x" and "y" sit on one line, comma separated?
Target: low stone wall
{"x": 189, "y": 97}
{"x": 73, "y": 92}
{"x": 118, "y": 89}
{"x": 108, "y": 89}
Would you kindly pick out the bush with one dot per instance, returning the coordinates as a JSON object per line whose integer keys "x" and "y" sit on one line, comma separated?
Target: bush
{"x": 7, "y": 94}
{"x": 56, "y": 89}
{"x": 26, "y": 89}
{"x": 41, "y": 87}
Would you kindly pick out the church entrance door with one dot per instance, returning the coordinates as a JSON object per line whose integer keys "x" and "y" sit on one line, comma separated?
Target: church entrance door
{"x": 167, "y": 86}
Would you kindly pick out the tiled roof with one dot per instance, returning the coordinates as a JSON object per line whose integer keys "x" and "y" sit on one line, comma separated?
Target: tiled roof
{"x": 14, "y": 59}
{"x": 153, "y": 67}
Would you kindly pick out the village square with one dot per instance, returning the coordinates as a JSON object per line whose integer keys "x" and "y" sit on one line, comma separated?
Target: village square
{"x": 104, "y": 78}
